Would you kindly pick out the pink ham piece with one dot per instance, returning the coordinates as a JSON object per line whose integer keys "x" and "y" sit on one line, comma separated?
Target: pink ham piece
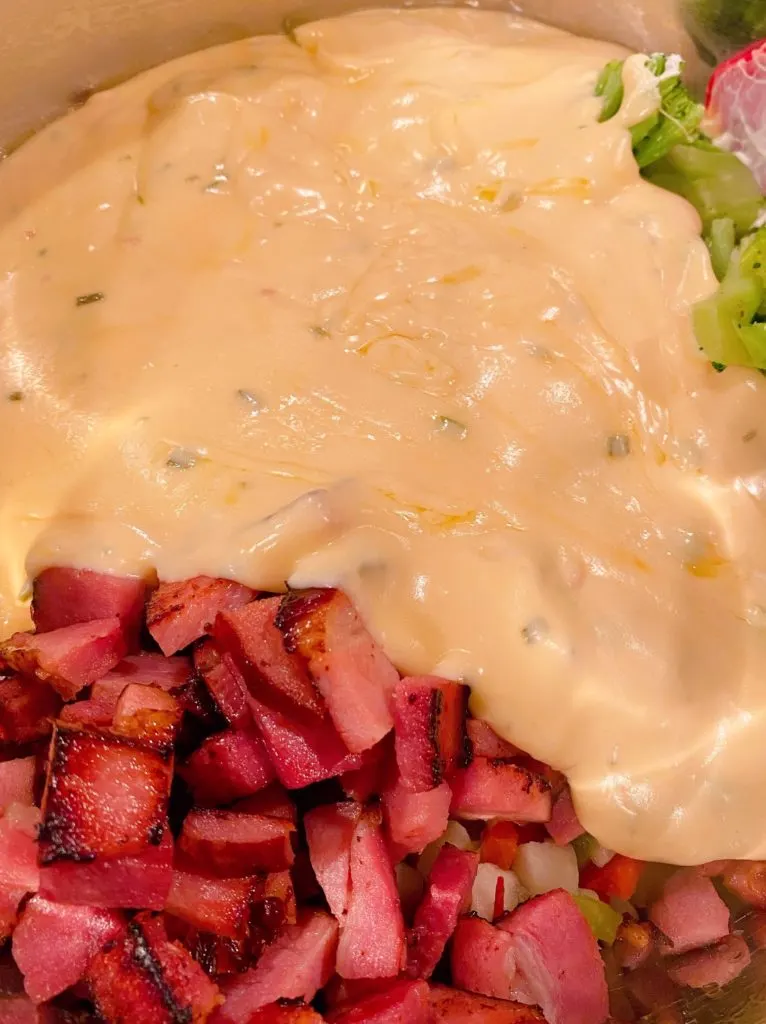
{"x": 18, "y": 849}
{"x": 19, "y": 1009}
{"x": 374, "y": 771}
{"x": 716, "y": 965}
{"x": 402, "y": 1002}
{"x": 347, "y": 666}
{"x": 295, "y": 966}
{"x": 558, "y": 965}
{"x": 147, "y": 670}
{"x": 231, "y": 844}
{"x": 484, "y": 742}
{"x": 736, "y": 99}
{"x": 69, "y": 658}
{"x": 216, "y": 905}
{"x": 224, "y": 682}
{"x": 147, "y": 713}
{"x": 276, "y": 678}
{"x": 16, "y": 781}
{"x": 10, "y": 900}
{"x": 690, "y": 913}
{"x": 450, "y": 1006}
{"x": 414, "y": 820}
{"x": 131, "y": 880}
{"x": 495, "y": 788}
{"x": 145, "y": 977}
{"x": 26, "y": 710}
{"x": 564, "y": 826}
{"x": 228, "y": 766}
{"x": 329, "y": 833}
{"x": 179, "y": 613}
{"x": 371, "y": 943}
{"x": 64, "y": 597}
{"x": 54, "y": 942}
{"x": 278, "y": 1013}
{"x": 482, "y": 958}
{"x": 448, "y": 893}
{"x": 430, "y": 734}
{"x": 272, "y": 802}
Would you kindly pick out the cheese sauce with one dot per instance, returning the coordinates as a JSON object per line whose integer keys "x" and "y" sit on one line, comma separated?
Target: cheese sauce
{"x": 383, "y": 306}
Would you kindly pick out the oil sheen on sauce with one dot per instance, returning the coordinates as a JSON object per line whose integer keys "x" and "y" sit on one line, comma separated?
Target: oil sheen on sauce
{"x": 383, "y": 306}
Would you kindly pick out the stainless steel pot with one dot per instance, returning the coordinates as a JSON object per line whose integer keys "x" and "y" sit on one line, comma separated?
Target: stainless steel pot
{"x": 54, "y": 52}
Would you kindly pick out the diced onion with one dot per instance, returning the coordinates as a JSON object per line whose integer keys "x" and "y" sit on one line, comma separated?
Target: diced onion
{"x": 601, "y": 856}
{"x": 455, "y": 834}
{"x": 485, "y": 887}
{"x": 542, "y": 867}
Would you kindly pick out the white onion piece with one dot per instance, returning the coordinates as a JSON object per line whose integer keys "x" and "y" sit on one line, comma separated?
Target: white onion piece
{"x": 485, "y": 887}
{"x": 455, "y": 834}
{"x": 410, "y": 884}
{"x": 545, "y": 866}
{"x": 601, "y": 856}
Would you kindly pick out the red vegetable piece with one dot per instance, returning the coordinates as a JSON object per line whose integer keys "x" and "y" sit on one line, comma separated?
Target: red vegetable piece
{"x": 274, "y": 676}
{"x": 295, "y": 966}
{"x": 18, "y": 849}
{"x": 149, "y": 713}
{"x": 558, "y": 964}
{"x": 564, "y": 826}
{"x": 482, "y": 958}
{"x": 372, "y": 775}
{"x": 716, "y": 965}
{"x": 402, "y": 1002}
{"x": 450, "y": 1006}
{"x": 53, "y": 944}
{"x": 273, "y": 802}
{"x": 690, "y": 913}
{"x": 64, "y": 597}
{"x": 430, "y": 732}
{"x": 617, "y": 879}
{"x": 747, "y": 879}
{"x": 68, "y": 658}
{"x": 216, "y": 905}
{"x": 302, "y": 753}
{"x": 280, "y": 1013}
{"x": 484, "y": 742}
{"x": 26, "y": 710}
{"x": 228, "y": 766}
{"x": 145, "y": 977}
{"x": 499, "y": 844}
{"x": 500, "y": 789}
{"x": 232, "y": 844}
{"x": 349, "y": 669}
{"x": 104, "y": 795}
{"x": 179, "y": 613}
{"x": 329, "y": 833}
{"x": 414, "y": 820}
{"x": 448, "y": 892}
{"x": 130, "y": 880}
{"x": 372, "y": 940}
{"x": 16, "y": 781}
{"x": 224, "y": 682}
{"x": 736, "y": 98}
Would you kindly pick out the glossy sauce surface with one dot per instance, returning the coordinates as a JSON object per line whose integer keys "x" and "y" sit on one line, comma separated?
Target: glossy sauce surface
{"x": 385, "y": 307}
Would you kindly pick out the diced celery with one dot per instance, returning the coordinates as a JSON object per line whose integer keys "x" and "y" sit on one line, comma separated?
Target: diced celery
{"x": 584, "y": 847}
{"x": 721, "y": 240}
{"x": 609, "y": 85}
{"x": 602, "y": 920}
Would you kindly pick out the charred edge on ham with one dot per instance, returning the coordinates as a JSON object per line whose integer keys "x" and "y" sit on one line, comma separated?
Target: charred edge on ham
{"x": 142, "y": 954}
{"x": 300, "y": 620}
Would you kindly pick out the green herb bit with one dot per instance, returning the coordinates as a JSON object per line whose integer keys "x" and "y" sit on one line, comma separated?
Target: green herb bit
{"x": 535, "y": 631}
{"x": 618, "y": 446}
{"x": 447, "y": 425}
{"x": 181, "y": 458}
{"x": 251, "y": 398}
{"x": 89, "y": 299}
{"x": 15, "y": 396}
{"x": 292, "y": 22}
{"x": 611, "y": 88}
{"x": 319, "y": 331}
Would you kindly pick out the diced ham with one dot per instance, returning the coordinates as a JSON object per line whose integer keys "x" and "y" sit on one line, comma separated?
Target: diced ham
{"x": 147, "y": 978}
{"x": 92, "y": 712}
{"x": 104, "y": 795}
{"x": 558, "y": 965}
{"x": 430, "y": 732}
{"x": 224, "y": 682}
{"x": 372, "y": 940}
{"x": 273, "y": 802}
{"x": 147, "y": 670}
{"x": 634, "y": 944}
{"x": 747, "y": 879}
{"x": 18, "y": 849}
{"x": 450, "y": 1006}
{"x": 329, "y": 833}
{"x": 690, "y": 913}
{"x": 347, "y": 666}
{"x": 716, "y": 965}
{"x": 276, "y": 678}
{"x": 564, "y": 826}
{"x": 26, "y": 710}
{"x": 448, "y": 893}
{"x": 295, "y": 966}
{"x": 149, "y": 713}
{"x": 414, "y": 820}
{"x": 69, "y": 658}
{"x": 63, "y": 597}
{"x": 16, "y": 781}
{"x": 402, "y": 1002}
{"x": 736, "y": 99}
{"x": 374, "y": 773}
{"x": 53, "y": 943}
{"x": 233, "y": 844}
{"x": 131, "y": 880}
{"x": 281, "y": 1013}
{"x": 302, "y": 753}
{"x": 10, "y": 899}
{"x": 500, "y": 789}
{"x": 228, "y": 766}
{"x": 216, "y": 905}
{"x": 19, "y": 1009}
{"x": 179, "y": 613}
{"x": 482, "y": 958}
{"x": 483, "y": 741}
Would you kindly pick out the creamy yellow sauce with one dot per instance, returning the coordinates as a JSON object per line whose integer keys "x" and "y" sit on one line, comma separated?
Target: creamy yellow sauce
{"x": 385, "y": 307}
